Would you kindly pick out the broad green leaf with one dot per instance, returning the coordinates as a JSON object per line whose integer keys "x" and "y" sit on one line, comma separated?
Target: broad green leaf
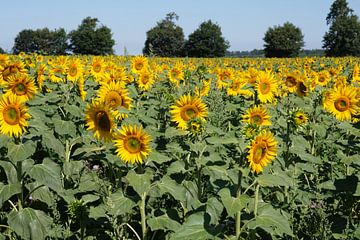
{"x": 73, "y": 168}
{"x": 214, "y": 208}
{"x": 9, "y": 190}
{"x": 10, "y": 171}
{"x": 29, "y": 223}
{"x": 64, "y": 127}
{"x": 232, "y": 204}
{"x": 42, "y": 193}
{"x": 52, "y": 143}
{"x": 191, "y": 195}
{"x": 48, "y": 173}
{"x": 86, "y": 150}
{"x": 89, "y": 198}
{"x": 216, "y": 172}
{"x": 193, "y": 228}
{"x": 119, "y": 204}
{"x": 98, "y": 211}
{"x": 176, "y": 167}
{"x": 273, "y": 180}
{"x": 140, "y": 182}
{"x": 163, "y": 223}
{"x": 19, "y": 152}
{"x": 167, "y": 185}
{"x": 299, "y": 144}
{"x": 157, "y": 157}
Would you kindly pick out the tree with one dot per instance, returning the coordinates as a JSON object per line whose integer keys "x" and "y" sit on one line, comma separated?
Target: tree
{"x": 89, "y": 38}
{"x": 206, "y": 41}
{"x": 343, "y": 37}
{"x": 166, "y": 39}
{"x": 42, "y": 41}
{"x": 283, "y": 41}
{"x": 2, "y": 51}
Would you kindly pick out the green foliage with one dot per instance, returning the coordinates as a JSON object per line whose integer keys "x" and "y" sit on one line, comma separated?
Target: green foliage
{"x": 42, "y": 41}
{"x": 206, "y": 41}
{"x": 283, "y": 41}
{"x": 89, "y": 38}
{"x": 2, "y": 51}
{"x": 166, "y": 39}
{"x": 343, "y": 37}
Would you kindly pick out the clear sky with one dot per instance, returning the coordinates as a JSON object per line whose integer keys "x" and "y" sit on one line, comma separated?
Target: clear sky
{"x": 243, "y": 22}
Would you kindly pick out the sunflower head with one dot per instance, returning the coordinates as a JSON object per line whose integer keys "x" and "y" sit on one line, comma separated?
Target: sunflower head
{"x": 13, "y": 116}
{"x": 299, "y": 118}
{"x": 132, "y": 144}
{"x": 266, "y": 87}
{"x": 100, "y": 119}
{"x": 21, "y": 85}
{"x": 262, "y": 151}
{"x": 186, "y": 108}
{"x": 196, "y": 126}
{"x": 257, "y": 115}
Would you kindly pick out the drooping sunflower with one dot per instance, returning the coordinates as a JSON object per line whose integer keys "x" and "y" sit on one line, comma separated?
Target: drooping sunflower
{"x": 21, "y": 85}
{"x": 176, "y": 74}
{"x": 342, "y": 102}
{"x": 139, "y": 63}
{"x": 300, "y": 118}
{"x": 186, "y": 108}
{"x": 257, "y": 115}
{"x": 115, "y": 96}
{"x": 262, "y": 151}
{"x": 100, "y": 120}
{"x": 291, "y": 80}
{"x": 132, "y": 144}
{"x": 204, "y": 90}
{"x": 13, "y": 116}
{"x": 266, "y": 87}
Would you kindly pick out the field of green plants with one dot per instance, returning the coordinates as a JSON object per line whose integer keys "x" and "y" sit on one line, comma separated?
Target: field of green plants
{"x": 169, "y": 148}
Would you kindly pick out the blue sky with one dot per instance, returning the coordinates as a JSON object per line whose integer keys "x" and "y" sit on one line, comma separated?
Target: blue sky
{"x": 243, "y": 22}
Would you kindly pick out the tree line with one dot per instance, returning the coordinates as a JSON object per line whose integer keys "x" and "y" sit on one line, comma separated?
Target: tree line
{"x": 166, "y": 39}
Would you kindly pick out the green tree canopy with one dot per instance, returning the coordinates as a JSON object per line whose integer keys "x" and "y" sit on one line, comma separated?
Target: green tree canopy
{"x": 1, "y": 51}
{"x": 343, "y": 37}
{"x": 166, "y": 39}
{"x": 206, "y": 41}
{"x": 283, "y": 41}
{"x": 43, "y": 41}
{"x": 89, "y": 38}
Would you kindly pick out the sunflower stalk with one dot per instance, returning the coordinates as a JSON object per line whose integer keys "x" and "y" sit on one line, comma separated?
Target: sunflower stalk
{"x": 256, "y": 199}
{"x": 238, "y": 214}
{"x": 143, "y": 214}
{"x": 19, "y": 178}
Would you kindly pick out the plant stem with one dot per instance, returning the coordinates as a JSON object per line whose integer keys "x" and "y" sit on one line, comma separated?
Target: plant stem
{"x": 199, "y": 186}
{"x": 19, "y": 178}
{"x": 238, "y": 214}
{"x": 256, "y": 199}
{"x": 143, "y": 215}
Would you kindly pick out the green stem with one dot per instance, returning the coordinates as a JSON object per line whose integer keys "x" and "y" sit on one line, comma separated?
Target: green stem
{"x": 19, "y": 178}
{"x": 143, "y": 215}
{"x": 199, "y": 186}
{"x": 238, "y": 214}
{"x": 256, "y": 199}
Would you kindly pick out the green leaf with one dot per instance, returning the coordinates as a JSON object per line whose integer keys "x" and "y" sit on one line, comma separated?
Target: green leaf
{"x": 193, "y": 228}
{"x": 157, "y": 157}
{"x": 10, "y": 171}
{"x": 119, "y": 204}
{"x": 73, "y": 168}
{"x": 232, "y": 204}
{"x": 29, "y": 223}
{"x": 216, "y": 172}
{"x": 9, "y": 190}
{"x": 214, "y": 208}
{"x": 41, "y": 193}
{"x": 20, "y": 152}
{"x": 64, "y": 127}
{"x": 52, "y": 143}
{"x": 167, "y": 185}
{"x": 89, "y": 198}
{"x": 163, "y": 223}
{"x": 48, "y": 173}
{"x": 272, "y": 221}
{"x": 299, "y": 144}
{"x": 274, "y": 180}
{"x": 140, "y": 182}
{"x": 171, "y": 132}
{"x": 98, "y": 211}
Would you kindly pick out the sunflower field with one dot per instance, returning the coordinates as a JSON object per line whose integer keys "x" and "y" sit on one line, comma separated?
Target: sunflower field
{"x": 119, "y": 147}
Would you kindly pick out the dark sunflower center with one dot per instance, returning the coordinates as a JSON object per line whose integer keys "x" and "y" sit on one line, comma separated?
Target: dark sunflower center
{"x": 322, "y": 79}
{"x": 145, "y": 79}
{"x": 20, "y": 89}
{"x": 342, "y": 104}
{"x": 174, "y": 73}
{"x": 256, "y": 119}
{"x": 290, "y": 81}
{"x": 259, "y": 153}
{"x": 103, "y": 121}
{"x": 264, "y": 87}
{"x": 73, "y": 71}
{"x": 139, "y": 66}
{"x": 97, "y": 67}
{"x": 302, "y": 89}
{"x": 11, "y": 115}
{"x": 113, "y": 99}
{"x": 133, "y": 144}
{"x": 188, "y": 112}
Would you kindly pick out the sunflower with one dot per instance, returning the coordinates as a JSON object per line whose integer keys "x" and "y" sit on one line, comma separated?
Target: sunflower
{"x": 74, "y": 69}
{"x": 176, "y": 74}
{"x": 300, "y": 118}
{"x": 138, "y": 63}
{"x": 145, "y": 79}
{"x": 97, "y": 68}
{"x": 115, "y": 96}
{"x": 291, "y": 80}
{"x": 186, "y": 108}
{"x": 204, "y": 91}
{"x": 257, "y": 115}
{"x": 356, "y": 74}
{"x": 224, "y": 76}
{"x": 323, "y": 78}
{"x": 342, "y": 102}
{"x": 262, "y": 151}
{"x": 100, "y": 120}
{"x": 266, "y": 86}
{"x": 13, "y": 116}
{"x": 21, "y": 85}
{"x": 132, "y": 144}
{"x": 10, "y": 69}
